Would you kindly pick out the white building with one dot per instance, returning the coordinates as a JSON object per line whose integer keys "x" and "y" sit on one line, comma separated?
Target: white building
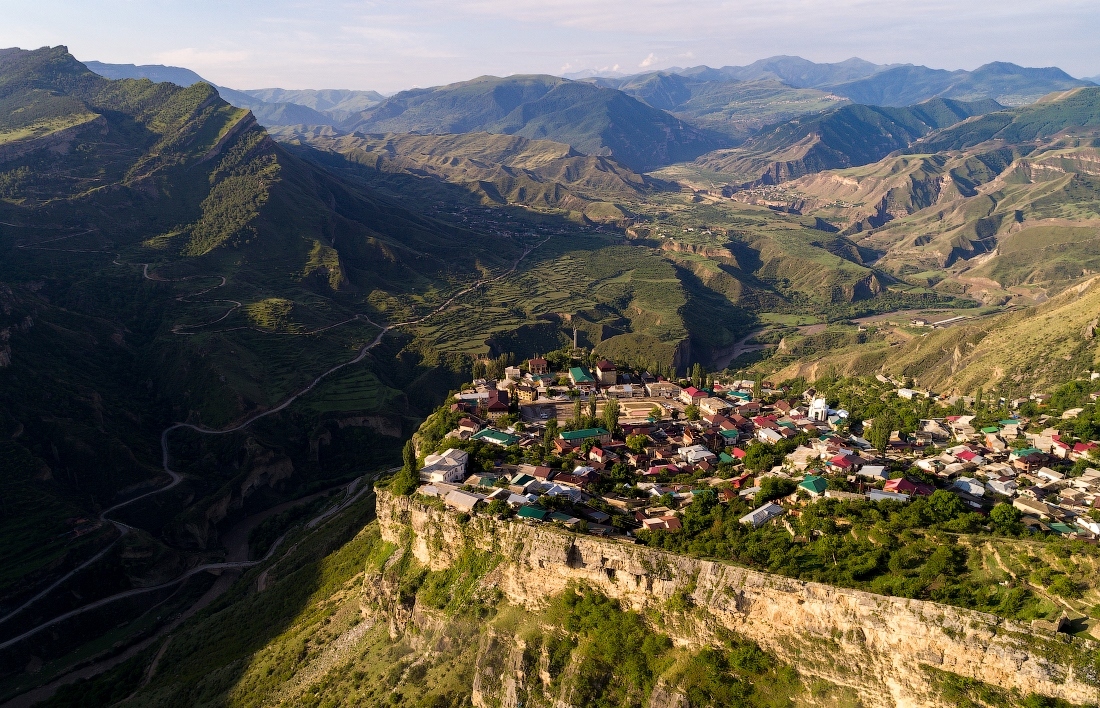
{"x": 763, "y": 515}
{"x": 696, "y": 453}
{"x": 819, "y": 410}
{"x": 714, "y": 406}
{"x": 450, "y": 466}
{"x": 875, "y": 472}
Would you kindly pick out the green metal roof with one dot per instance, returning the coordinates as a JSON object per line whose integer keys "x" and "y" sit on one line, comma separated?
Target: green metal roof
{"x": 991, "y": 429}
{"x": 729, "y": 433}
{"x": 531, "y": 512}
{"x": 741, "y": 394}
{"x": 723, "y": 457}
{"x": 817, "y": 485}
{"x": 1009, "y": 421}
{"x": 564, "y": 518}
{"x": 1059, "y": 527}
{"x": 579, "y": 375}
{"x": 583, "y": 434}
{"x": 495, "y": 436}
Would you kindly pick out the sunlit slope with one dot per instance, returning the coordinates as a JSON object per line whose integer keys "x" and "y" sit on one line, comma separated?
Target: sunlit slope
{"x": 499, "y": 169}
{"x": 593, "y": 120}
{"x": 848, "y": 136}
{"x": 1016, "y": 353}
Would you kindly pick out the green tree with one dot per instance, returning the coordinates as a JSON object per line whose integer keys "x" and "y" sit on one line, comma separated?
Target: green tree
{"x": 611, "y": 416}
{"x": 578, "y": 415}
{"x": 757, "y": 388}
{"x": 406, "y": 480}
{"x": 636, "y": 443}
{"x": 592, "y": 406}
{"x": 759, "y": 457}
{"x": 945, "y": 506}
{"x": 774, "y": 488}
{"x": 550, "y": 435}
{"x": 1005, "y": 517}
{"x": 656, "y": 412}
{"x": 885, "y": 423}
{"x": 691, "y": 412}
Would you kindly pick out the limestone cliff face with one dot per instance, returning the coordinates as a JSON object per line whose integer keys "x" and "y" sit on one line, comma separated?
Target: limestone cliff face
{"x": 871, "y": 643}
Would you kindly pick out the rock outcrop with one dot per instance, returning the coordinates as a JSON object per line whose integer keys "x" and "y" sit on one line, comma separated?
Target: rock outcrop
{"x": 876, "y": 645}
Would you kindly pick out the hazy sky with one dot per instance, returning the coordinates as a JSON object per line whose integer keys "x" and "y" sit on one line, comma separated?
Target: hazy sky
{"x": 390, "y": 45}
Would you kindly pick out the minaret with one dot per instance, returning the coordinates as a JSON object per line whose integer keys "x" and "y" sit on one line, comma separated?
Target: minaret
{"x": 574, "y": 338}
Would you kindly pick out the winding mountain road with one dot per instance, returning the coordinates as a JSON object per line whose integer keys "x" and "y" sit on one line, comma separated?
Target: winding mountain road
{"x": 175, "y": 478}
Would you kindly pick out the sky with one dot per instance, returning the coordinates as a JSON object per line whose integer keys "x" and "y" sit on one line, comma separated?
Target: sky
{"x": 389, "y": 45}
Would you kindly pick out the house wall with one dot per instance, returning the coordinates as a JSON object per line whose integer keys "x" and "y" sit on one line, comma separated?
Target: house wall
{"x": 874, "y": 644}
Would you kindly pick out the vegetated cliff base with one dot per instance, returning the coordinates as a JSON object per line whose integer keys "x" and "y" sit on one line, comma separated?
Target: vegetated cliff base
{"x": 881, "y": 647}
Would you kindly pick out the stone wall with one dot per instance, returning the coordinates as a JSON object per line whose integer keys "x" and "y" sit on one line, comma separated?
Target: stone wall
{"x": 875, "y": 644}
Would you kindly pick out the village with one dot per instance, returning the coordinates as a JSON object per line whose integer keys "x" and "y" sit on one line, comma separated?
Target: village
{"x": 636, "y": 449}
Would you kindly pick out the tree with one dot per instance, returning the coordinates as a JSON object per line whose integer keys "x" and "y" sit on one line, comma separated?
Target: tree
{"x": 945, "y": 505}
{"x": 578, "y": 415}
{"x": 550, "y": 435}
{"x": 611, "y": 415}
{"x": 884, "y": 425}
{"x": 636, "y": 443}
{"x": 757, "y": 389}
{"x": 691, "y": 412}
{"x": 656, "y": 412}
{"x": 774, "y": 488}
{"x": 697, "y": 376}
{"x": 406, "y": 480}
{"x": 497, "y": 507}
{"x": 1005, "y": 517}
{"x": 592, "y": 405}
{"x": 759, "y": 457}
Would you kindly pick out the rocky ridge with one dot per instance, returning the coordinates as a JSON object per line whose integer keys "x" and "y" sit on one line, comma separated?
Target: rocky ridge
{"x": 879, "y": 646}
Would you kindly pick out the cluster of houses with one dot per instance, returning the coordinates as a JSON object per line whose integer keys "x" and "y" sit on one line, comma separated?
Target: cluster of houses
{"x": 1000, "y": 462}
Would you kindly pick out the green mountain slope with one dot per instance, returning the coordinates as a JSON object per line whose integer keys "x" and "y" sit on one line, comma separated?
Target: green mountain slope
{"x": 848, "y": 136}
{"x": 1018, "y": 353}
{"x": 501, "y": 169}
{"x": 593, "y": 120}
{"x": 721, "y": 103}
{"x": 1079, "y": 108}
{"x": 336, "y": 104}
{"x": 165, "y": 260}
{"x": 1003, "y": 82}
{"x": 795, "y": 71}
{"x": 268, "y": 111}
{"x": 1006, "y": 209}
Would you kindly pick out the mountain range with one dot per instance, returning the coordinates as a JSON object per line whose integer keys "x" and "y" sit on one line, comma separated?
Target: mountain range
{"x": 710, "y": 108}
{"x": 885, "y": 85}
{"x": 209, "y": 320}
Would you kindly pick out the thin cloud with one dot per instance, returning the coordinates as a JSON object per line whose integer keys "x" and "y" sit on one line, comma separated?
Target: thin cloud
{"x": 191, "y": 57}
{"x": 648, "y": 61}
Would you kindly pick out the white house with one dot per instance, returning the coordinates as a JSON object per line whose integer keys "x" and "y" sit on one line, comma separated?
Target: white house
{"x": 819, "y": 410}
{"x": 873, "y": 472}
{"x": 696, "y": 454}
{"x": 463, "y": 501}
{"x": 880, "y": 495}
{"x": 970, "y": 486}
{"x": 450, "y": 466}
{"x": 714, "y": 406}
{"x": 763, "y": 515}
{"x": 1003, "y": 485}
{"x": 768, "y": 435}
